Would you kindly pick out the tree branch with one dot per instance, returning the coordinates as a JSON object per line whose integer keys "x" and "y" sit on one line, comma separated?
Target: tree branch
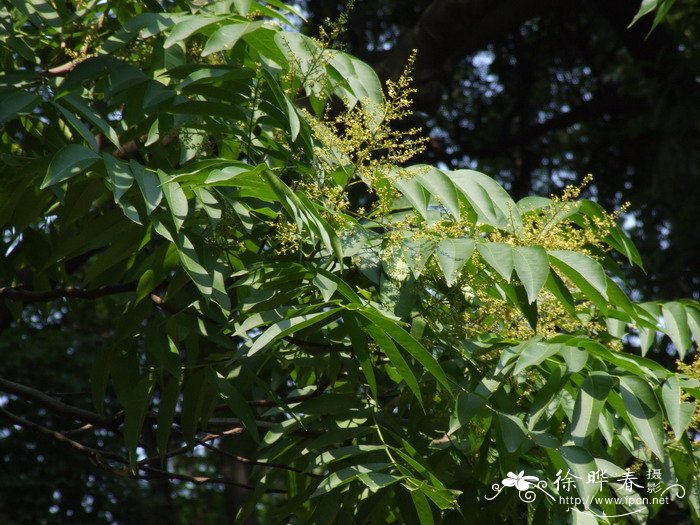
{"x": 249, "y": 461}
{"x": 63, "y": 69}
{"x": 197, "y": 480}
{"x": 31, "y": 296}
{"x": 94, "y": 454}
{"x": 59, "y": 407}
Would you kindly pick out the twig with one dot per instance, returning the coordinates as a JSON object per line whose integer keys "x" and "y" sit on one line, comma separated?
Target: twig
{"x": 63, "y": 69}
{"x": 78, "y": 414}
{"x": 249, "y": 461}
{"x": 185, "y": 448}
{"x": 94, "y": 454}
{"x": 197, "y": 480}
{"x": 31, "y": 296}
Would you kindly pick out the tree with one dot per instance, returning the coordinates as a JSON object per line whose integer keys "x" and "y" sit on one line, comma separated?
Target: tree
{"x": 538, "y": 94}
{"x": 287, "y": 308}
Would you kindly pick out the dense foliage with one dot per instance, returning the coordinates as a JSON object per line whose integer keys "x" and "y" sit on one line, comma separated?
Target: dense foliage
{"x": 539, "y": 95}
{"x": 271, "y": 282}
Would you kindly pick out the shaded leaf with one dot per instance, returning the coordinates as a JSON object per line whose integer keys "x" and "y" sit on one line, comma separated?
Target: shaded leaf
{"x": 644, "y": 413}
{"x": 532, "y": 267}
{"x": 68, "y": 162}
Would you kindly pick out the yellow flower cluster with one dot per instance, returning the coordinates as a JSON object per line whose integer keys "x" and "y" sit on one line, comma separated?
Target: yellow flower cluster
{"x": 471, "y": 307}
{"x": 287, "y": 237}
{"x": 365, "y": 147}
{"x": 554, "y": 229}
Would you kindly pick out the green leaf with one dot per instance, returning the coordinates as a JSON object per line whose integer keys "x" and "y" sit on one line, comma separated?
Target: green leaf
{"x": 440, "y": 186}
{"x": 175, "y": 197}
{"x": 78, "y": 125}
{"x": 584, "y": 272}
{"x": 263, "y": 41}
{"x": 693, "y": 315}
{"x": 644, "y": 413}
{"x": 676, "y": 325}
{"x": 531, "y": 353}
{"x": 192, "y": 404}
{"x": 134, "y": 415}
{"x": 89, "y": 114}
{"x": 363, "y": 80}
{"x": 491, "y": 202}
{"x": 303, "y": 211}
{"x": 452, "y": 255}
{"x": 546, "y": 395}
{"x": 142, "y": 25}
{"x": 359, "y": 344}
{"x": 226, "y": 37}
{"x": 284, "y": 103}
{"x": 580, "y": 462}
{"x": 574, "y": 357}
{"x": 678, "y": 412}
{"x": 148, "y": 184}
{"x": 420, "y": 502}
{"x": 589, "y": 404}
{"x": 326, "y": 286}
{"x": 286, "y": 327}
{"x": 499, "y": 256}
{"x": 466, "y": 407}
{"x": 411, "y": 345}
{"x": 378, "y": 480}
{"x": 647, "y": 336}
{"x": 555, "y": 285}
{"x": 68, "y": 162}
{"x": 119, "y": 175}
{"x": 582, "y": 518}
{"x": 16, "y": 102}
{"x": 397, "y": 360}
{"x": 167, "y": 406}
{"x": 532, "y": 267}
{"x": 237, "y": 403}
{"x": 344, "y": 476}
{"x": 205, "y": 279}
{"x": 416, "y": 194}
{"x": 513, "y": 433}
{"x": 647, "y": 7}
{"x": 188, "y": 26}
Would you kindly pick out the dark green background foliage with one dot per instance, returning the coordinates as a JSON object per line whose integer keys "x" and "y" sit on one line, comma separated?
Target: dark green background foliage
{"x": 221, "y": 299}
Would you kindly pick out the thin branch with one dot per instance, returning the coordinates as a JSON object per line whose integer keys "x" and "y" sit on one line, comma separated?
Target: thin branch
{"x": 59, "y": 407}
{"x": 186, "y": 448}
{"x": 249, "y": 461}
{"x": 160, "y": 303}
{"x": 79, "y": 430}
{"x": 172, "y": 309}
{"x": 232, "y": 422}
{"x": 94, "y": 454}
{"x": 198, "y": 480}
{"x": 31, "y": 296}
{"x": 63, "y": 69}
